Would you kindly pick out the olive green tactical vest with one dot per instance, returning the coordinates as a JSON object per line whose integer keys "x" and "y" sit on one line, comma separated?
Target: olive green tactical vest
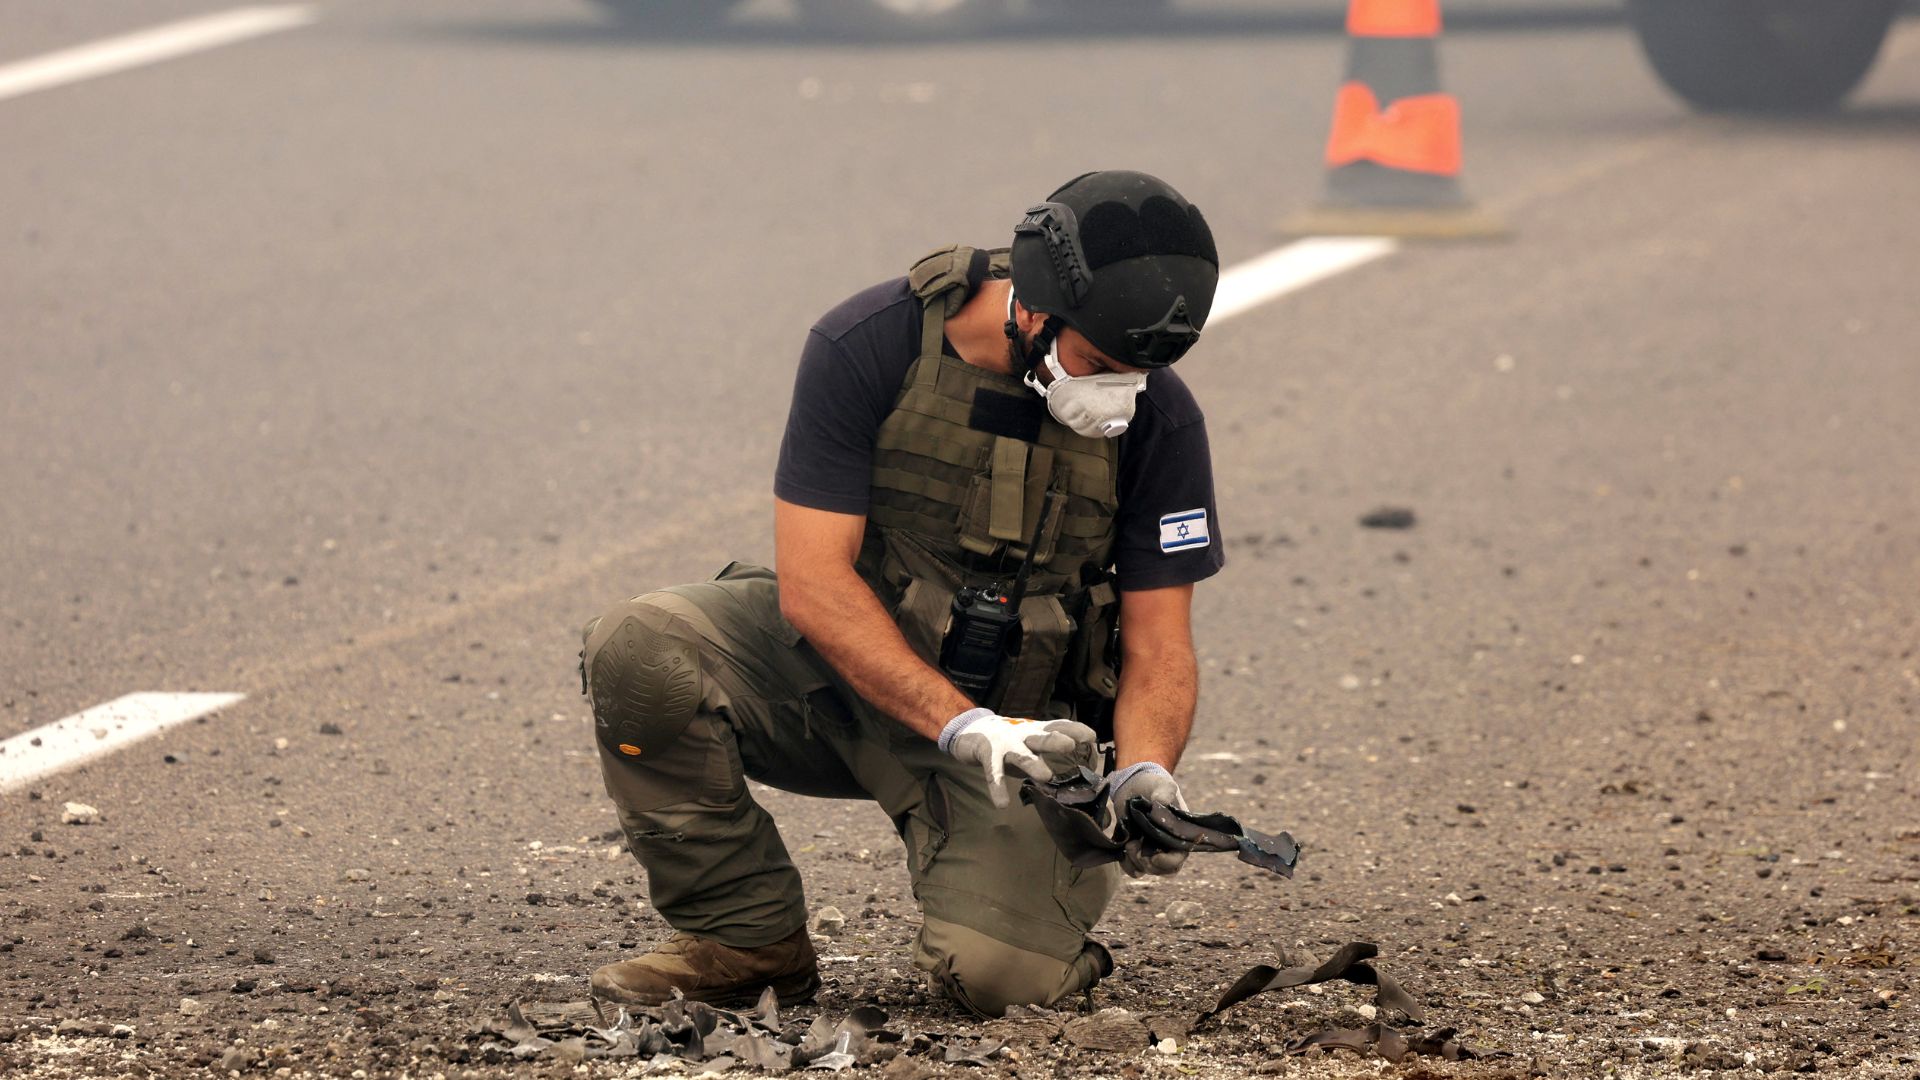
{"x": 953, "y": 505}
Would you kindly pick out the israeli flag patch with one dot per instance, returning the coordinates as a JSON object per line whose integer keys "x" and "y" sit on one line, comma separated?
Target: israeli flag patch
{"x": 1183, "y": 530}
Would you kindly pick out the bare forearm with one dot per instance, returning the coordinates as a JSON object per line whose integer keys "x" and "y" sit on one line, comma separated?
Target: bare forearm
{"x": 845, "y": 622}
{"x": 1153, "y": 711}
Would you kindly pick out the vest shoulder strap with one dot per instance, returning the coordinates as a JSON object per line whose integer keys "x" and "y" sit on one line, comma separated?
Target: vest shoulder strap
{"x": 944, "y": 278}
{"x": 950, "y": 273}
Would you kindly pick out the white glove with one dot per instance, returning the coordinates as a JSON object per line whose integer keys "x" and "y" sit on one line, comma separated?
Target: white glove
{"x": 993, "y": 742}
{"x": 1154, "y": 784}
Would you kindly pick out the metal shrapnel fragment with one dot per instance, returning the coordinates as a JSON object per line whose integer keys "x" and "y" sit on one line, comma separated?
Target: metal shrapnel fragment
{"x": 1075, "y": 813}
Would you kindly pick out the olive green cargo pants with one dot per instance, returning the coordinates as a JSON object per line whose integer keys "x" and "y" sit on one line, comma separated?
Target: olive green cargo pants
{"x": 697, "y": 687}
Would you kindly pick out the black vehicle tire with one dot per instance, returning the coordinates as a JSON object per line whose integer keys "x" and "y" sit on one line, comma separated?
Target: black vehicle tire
{"x": 641, "y": 14}
{"x": 1096, "y": 8}
{"x": 902, "y": 18}
{"x": 1762, "y": 55}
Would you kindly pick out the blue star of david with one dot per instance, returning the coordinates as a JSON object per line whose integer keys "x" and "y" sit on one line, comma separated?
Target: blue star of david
{"x": 1182, "y": 530}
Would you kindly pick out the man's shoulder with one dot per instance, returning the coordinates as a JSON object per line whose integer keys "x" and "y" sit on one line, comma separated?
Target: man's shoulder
{"x": 1171, "y": 401}
{"x": 884, "y": 309}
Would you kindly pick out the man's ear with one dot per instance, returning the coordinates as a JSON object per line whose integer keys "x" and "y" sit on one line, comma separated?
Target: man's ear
{"x": 1028, "y": 320}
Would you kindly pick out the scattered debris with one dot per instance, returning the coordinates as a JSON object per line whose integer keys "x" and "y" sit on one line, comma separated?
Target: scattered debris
{"x": 1075, "y": 813}
{"x": 1379, "y": 1040}
{"x": 980, "y": 1053}
{"x": 682, "y": 1032}
{"x": 1348, "y": 965}
{"x": 1108, "y": 1029}
{"x": 829, "y": 921}
{"x": 1388, "y": 517}
{"x": 77, "y": 813}
{"x": 1185, "y": 914}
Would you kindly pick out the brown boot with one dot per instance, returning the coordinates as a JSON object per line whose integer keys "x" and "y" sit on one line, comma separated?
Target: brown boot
{"x": 706, "y": 970}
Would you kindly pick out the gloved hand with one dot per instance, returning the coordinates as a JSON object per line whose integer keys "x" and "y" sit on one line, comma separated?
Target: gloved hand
{"x": 993, "y": 742}
{"x": 1155, "y": 784}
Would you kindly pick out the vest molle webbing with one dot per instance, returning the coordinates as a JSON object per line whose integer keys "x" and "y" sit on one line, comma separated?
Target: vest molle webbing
{"x": 962, "y": 468}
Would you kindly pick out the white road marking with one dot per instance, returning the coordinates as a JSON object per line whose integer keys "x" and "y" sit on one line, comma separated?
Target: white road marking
{"x": 1291, "y": 268}
{"x": 98, "y": 732}
{"x": 149, "y": 47}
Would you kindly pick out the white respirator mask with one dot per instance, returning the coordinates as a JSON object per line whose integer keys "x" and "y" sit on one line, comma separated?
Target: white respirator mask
{"x": 1096, "y": 406}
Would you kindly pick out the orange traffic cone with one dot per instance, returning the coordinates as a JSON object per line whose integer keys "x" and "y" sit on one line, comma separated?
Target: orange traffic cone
{"x": 1393, "y": 158}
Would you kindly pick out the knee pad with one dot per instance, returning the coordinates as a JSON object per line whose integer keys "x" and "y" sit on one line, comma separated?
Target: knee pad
{"x": 643, "y": 679}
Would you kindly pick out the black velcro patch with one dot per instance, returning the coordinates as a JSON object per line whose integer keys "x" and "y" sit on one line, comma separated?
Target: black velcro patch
{"x": 1016, "y": 416}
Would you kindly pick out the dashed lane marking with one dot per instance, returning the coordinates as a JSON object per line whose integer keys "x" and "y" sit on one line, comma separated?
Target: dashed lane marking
{"x": 99, "y": 731}
{"x": 151, "y": 46}
{"x": 1300, "y": 264}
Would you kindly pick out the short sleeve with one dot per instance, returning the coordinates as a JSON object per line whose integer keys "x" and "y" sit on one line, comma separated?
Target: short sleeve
{"x": 826, "y": 455}
{"x": 1169, "y": 526}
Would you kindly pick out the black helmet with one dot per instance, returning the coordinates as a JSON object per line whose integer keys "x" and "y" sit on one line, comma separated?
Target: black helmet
{"x": 1123, "y": 258}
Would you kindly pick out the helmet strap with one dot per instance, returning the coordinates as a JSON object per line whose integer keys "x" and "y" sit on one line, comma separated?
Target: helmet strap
{"x": 1027, "y": 359}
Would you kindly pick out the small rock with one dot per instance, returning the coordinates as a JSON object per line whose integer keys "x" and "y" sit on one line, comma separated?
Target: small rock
{"x": 1108, "y": 1029}
{"x": 263, "y": 955}
{"x": 84, "y": 1028}
{"x": 908, "y": 1068}
{"x": 331, "y": 728}
{"x": 1771, "y": 956}
{"x": 1388, "y": 517}
{"x": 192, "y": 1007}
{"x": 234, "y": 1060}
{"x": 1164, "y": 1026}
{"x": 356, "y": 874}
{"x": 1533, "y": 997}
{"x": 1185, "y": 914}
{"x": 1167, "y": 1046}
{"x": 75, "y": 813}
{"x": 1453, "y": 899}
{"x": 829, "y": 921}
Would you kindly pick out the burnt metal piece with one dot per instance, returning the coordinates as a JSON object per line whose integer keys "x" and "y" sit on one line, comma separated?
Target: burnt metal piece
{"x": 1383, "y": 1041}
{"x": 1180, "y": 830}
{"x": 1075, "y": 813}
{"x": 1348, "y": 965}
{"x": 1388, "y": 517}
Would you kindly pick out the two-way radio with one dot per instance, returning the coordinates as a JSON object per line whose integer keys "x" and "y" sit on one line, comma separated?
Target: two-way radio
{"x": 985, "y": 624}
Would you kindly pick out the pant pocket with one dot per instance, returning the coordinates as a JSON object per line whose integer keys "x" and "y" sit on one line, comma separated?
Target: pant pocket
{"x": 926, "y": 830}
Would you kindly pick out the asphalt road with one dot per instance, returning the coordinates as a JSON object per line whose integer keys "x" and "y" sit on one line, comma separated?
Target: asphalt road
{"x": 352, "y": 367}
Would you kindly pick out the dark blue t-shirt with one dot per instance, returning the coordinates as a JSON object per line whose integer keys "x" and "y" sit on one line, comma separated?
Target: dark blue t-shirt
{"x": 852, "y": 369}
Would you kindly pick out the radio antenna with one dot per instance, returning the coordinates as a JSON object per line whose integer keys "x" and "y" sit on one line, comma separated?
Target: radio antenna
{"x": 1026, "y": 564}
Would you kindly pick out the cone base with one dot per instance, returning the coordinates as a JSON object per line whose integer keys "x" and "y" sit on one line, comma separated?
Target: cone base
{"x": 1455, "y": 222}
